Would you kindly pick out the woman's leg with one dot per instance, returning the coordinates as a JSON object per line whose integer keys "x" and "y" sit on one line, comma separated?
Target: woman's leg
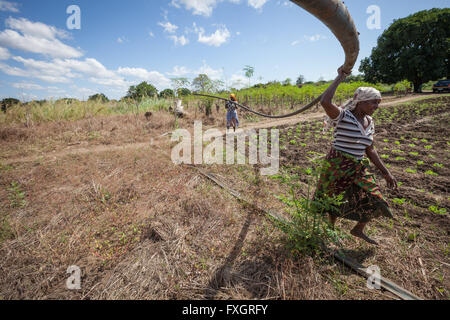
{"x": 357, "y": 231}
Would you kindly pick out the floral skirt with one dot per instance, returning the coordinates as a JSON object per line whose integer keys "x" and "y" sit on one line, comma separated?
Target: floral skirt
{"x": 362, "y": 199}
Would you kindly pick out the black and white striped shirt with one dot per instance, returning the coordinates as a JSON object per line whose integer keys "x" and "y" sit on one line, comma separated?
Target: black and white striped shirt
{"x": 350, "y": 136}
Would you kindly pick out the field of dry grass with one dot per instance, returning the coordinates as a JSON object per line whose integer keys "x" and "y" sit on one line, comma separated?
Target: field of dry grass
{"x": 102, "y": 193}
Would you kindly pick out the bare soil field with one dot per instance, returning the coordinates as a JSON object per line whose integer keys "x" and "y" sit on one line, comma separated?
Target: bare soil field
{"x": 102, "y": 195}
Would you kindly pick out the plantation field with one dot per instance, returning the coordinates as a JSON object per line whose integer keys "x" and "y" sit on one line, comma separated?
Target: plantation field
{"x": 100, "y": 191}
{"x": 414, "y": 141}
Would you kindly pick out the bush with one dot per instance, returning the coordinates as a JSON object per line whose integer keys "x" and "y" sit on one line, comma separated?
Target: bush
{"x": 308, "y": 230}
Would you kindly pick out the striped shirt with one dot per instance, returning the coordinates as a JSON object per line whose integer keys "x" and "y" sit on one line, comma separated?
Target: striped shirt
{"x": 231, "y": 106}
{"x": 350, "y": 136}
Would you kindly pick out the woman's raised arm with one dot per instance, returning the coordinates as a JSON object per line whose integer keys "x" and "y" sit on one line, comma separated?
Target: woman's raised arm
{"x": 330, "y": 108}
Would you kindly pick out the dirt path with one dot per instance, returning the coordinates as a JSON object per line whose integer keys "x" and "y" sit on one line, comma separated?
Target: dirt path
{"x": 70, "y": 150}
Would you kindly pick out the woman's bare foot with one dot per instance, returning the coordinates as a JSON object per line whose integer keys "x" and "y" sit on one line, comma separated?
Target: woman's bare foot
{"x": 357, "y": 231}
{"x": 361, "y": 235}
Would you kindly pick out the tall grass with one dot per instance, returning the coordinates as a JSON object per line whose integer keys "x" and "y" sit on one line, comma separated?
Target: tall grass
{"x": 54, "y": 111}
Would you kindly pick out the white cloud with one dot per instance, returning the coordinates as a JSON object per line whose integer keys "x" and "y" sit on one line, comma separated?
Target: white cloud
{"x": 199, "y": 7}
{"x": 8, "y": 6}
{"x": 151, "y": 34}
{"x": 168, "y": 27}
{"x": 214, "y": 74}
{"x": 203, "y": 7}
{"x": 296, "y": 42}
{"x": 216, "y": 39}
{"x": 154, "y": 77}
{"x": 89, "y": 66}
{"x": 182, "y": 40}
{"x": 36, "y": 29}
{"x": 118, "y": 82}
{"x": 315, "y": 37}
{"x": 179, "y": 71}
{"x": 33, "y": 73}
{"x": 4, "y": 54}
{"x": 121, "y": 40}
{"x": 238, "y": 81}
{"x": 36, "y": 37}
{"x": 27, "y": 86}
{"x": 257, "y": 4}
{"x": 285, "y": 4}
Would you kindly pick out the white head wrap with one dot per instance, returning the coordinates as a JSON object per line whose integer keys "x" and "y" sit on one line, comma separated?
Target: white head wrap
{"x": 361, "y": 94}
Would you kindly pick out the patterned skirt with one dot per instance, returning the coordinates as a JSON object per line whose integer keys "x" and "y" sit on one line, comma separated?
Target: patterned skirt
{"x": 362, "y": 199}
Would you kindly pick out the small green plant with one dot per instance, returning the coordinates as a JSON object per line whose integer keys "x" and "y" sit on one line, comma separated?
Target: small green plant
{"x": 16, "y": 196}
{"x": 308, "y": 229}
{"x": 400, "y": 158}
{"x": 6, "y": 231}
{"x": 414, "y": 153}
{"x": 409, "y": 170}
{"x": 428, "y": 147}
{"x": 431, "y": 173}
{"x": 436, "y": 209}
{"x": 420, "y": 162}
{"x": 399, "y": 201}
{"x": 438, "y": 165}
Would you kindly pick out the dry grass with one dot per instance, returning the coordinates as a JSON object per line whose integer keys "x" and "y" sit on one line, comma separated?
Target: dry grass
{"x": 142, "y": 228}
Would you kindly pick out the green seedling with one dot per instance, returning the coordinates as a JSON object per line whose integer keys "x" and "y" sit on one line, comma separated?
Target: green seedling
{"x": 436, "y": 209}
{"x": 399, "y": 201}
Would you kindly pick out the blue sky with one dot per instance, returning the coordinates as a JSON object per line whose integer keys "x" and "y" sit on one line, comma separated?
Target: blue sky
{"x": 121, "y": 43}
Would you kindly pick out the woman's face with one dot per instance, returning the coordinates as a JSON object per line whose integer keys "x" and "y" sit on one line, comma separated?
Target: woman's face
{"x": 369, "y": 107}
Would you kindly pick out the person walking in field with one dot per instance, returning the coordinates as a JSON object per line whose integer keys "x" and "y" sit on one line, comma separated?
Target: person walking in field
{"x": 346, "y": 169}
{"x": 232, "y": 116}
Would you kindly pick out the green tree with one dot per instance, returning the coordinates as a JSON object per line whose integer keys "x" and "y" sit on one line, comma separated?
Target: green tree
{"x": 249, "y": 71}
{"x": 416, "y": 48}
{"x": 142, "y": 90}
{"x": 178, "y": 83}
{"x": 8, "y": 103}
{"x": 287, "y": 82}
{"x": 300, "y": 80}
{"x": 202, "y": 83}
{"x": 353, "y": 78}
{"x": 184, "y": 92}
{"x": 167, "y": 93}
{"x": 98, "y": 97}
